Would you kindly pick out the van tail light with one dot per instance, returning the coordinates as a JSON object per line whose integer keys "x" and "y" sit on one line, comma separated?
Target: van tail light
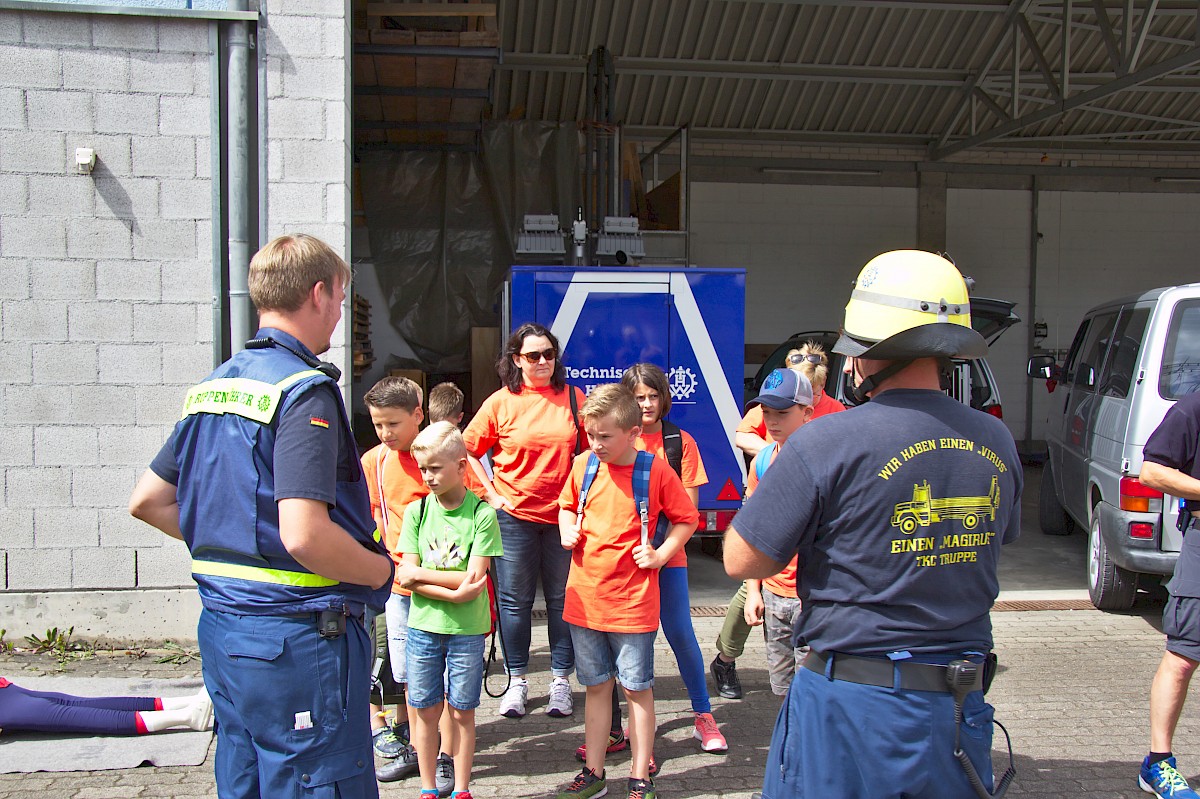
{"x": 1143, "y": 530}
{"x": 1137, "y": 497}
{"x": 715, "y": 521}
{"x": 995, "y": 410}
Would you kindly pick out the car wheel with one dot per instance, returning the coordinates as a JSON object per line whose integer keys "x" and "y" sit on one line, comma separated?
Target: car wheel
{"x": 1052, "y": 518}
{"x": 1109, "y": 586}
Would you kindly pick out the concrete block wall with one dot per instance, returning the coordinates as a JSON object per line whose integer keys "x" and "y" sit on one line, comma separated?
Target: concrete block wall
{"x": 105, "y": 296}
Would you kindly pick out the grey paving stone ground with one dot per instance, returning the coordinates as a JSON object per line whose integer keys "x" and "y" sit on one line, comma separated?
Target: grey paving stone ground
{"x": 1073, "y": 694}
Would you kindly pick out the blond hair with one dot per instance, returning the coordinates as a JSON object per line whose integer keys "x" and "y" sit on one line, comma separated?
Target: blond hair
{"x": 817, "y": 373}
{"x": 285, "y": 270}
{"x": 445, "y": 402}
{"x": 611, "y": 399}
{"x": 394, "y": 392}
{"x": 440, "y": 438}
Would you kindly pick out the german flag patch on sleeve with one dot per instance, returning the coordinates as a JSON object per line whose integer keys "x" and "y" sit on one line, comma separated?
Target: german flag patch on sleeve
{"x": 317, "y": 421}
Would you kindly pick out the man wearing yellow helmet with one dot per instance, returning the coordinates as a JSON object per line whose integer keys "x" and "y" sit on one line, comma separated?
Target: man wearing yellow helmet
{"x": 897, "y": 539}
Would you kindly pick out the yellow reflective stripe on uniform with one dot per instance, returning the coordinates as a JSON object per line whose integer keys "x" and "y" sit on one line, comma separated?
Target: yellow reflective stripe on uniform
{"x": 260, "y": 574}
{"x": 287, "y": 381}
{"x": 252, "y": 399}
{"x": 377, "y": 535}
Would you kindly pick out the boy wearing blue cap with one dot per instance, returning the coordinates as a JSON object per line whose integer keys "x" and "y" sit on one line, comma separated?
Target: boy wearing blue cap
{"x": 786, "y": 398}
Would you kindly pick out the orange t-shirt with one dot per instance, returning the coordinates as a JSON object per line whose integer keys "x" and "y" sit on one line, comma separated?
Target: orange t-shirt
{"x": 690, "y": 464}
{"x": 534, "y": 438}
{"x": 606, "y": 590}
{"x": 784, "y": 583}
{"x": 394, "y": 476}
{"x": 753, "y": 421}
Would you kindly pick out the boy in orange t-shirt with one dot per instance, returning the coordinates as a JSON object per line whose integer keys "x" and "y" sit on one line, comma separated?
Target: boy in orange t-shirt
{"x": 446, "y": 405}
{"x": 786, "y": 402}
{"x": 612, "y": 600}
{"x": 393, "y": 480}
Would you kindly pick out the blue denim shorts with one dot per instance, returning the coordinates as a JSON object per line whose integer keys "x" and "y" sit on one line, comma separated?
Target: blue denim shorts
{"x": 600, "y": 656}
{"x": 442, "y": 666}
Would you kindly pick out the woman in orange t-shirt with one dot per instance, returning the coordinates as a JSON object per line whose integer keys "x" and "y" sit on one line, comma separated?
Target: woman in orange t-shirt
{"x": 812, "y": 362}
{"x": 533, "y": 434}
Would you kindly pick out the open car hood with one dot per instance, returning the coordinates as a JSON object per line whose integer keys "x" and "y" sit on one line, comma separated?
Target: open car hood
{"x": 992, "y": 317}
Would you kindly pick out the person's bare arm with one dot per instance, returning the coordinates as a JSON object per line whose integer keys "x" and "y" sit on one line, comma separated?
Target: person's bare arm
{"x": 494, "y": 499}
{"x": 324, "y": 548}
{"x": 1169, "y": 481}
{"x": 749, "y": 443}
{"x": 744, "y": 562}
{"x": 469, "y": 583}
{"x": 155, "y": 502}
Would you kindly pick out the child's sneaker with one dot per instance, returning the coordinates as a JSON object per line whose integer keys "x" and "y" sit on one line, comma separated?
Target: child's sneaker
{"x": 641, "y": 789}
{"x": 617, "y": 742}
{"x": 512, "y": 704}
{"x": 706, "y": 732}
{"x": 586, "y": 785}
{"x": 403, "y": 765}
{"x": 561, "y": 702}
{"x": 1163, "y": 779}
{"x": 443, "y": 775}
{"x": 461, "y": 795}
{"x": 386, "y": 743}
{"x": 726, "y": 677}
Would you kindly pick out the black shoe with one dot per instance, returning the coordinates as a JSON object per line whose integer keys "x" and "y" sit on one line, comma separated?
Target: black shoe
{"x": 726, "y": 677}
{"x": 405, "y": 765}
{"x": 443, "y": 775}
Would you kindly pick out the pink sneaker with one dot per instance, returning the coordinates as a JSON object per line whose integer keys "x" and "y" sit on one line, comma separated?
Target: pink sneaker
{"x": 706, "y": 732}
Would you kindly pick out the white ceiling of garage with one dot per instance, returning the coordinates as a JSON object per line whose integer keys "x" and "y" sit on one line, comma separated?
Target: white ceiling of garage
{"x": 947, "y": 75}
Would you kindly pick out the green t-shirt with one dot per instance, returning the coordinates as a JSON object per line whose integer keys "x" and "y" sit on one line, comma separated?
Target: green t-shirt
{"x": 445, "y": 540}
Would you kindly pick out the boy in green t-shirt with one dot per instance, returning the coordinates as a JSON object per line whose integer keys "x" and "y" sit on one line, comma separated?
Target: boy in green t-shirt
{"x": 447, "y": 543}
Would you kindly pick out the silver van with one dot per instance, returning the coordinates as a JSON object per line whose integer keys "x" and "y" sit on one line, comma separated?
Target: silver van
{"x": 1131, "y": 359}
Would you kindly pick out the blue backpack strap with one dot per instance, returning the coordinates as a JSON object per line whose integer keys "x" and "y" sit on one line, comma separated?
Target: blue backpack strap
{"x": 763, "y": 460}
{"x": 641, "y": 490}
{"x": 589, "y": 474}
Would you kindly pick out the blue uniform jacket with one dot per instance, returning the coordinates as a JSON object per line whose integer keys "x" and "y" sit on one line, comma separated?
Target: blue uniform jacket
{"x": 224, "y": 447}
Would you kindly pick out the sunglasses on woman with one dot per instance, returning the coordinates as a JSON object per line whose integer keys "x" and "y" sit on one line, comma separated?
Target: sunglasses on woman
{"x": 533, "y": 357}
{"x": 797, "y": 359}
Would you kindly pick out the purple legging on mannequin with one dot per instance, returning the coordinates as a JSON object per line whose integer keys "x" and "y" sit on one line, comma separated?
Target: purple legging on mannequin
{"x": 22, "y": 709}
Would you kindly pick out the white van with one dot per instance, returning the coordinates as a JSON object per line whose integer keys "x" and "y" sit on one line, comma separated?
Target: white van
{"x": 1131, "y": 359}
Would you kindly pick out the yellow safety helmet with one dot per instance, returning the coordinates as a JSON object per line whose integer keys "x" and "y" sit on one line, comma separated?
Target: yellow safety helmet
{"x": 909, "y": 304}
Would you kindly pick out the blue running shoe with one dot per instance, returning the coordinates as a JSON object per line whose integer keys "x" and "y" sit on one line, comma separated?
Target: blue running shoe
{"x": 1163, "y": 779}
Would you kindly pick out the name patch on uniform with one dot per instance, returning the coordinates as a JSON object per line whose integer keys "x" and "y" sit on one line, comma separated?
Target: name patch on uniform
{"x": 317, "y": 421}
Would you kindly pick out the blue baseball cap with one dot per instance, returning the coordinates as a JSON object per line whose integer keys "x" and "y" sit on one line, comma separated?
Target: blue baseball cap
{"x": 782, "y": 389}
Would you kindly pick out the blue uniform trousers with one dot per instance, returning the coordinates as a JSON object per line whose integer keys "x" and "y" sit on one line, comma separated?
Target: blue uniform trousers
{"x": 836, "y": 738}
{"x": 292, "y": 708}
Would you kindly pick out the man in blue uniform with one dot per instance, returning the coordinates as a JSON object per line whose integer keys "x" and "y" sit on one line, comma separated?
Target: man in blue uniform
{"x": 262, "y": 481}
{"x": 896, "y": 511}
{"x": 1171, "y": 465}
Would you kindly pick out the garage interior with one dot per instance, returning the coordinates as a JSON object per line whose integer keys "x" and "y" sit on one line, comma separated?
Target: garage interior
{"x": 1050, "y": 148}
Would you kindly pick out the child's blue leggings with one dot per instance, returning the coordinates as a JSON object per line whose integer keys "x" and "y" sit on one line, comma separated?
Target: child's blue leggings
{"x": 675, "y": 614}
{"x": 44, "y": 711}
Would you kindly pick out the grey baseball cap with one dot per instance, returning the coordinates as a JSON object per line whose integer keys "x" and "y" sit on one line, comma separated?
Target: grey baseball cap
{"x": 782, "y": 389}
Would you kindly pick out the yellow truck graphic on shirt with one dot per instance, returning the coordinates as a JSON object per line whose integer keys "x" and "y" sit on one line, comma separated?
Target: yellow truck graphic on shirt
{"x": 925, "y": 510}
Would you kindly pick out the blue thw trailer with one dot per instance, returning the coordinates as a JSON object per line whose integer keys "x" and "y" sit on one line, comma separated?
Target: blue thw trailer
{"x": 690, "y": 322}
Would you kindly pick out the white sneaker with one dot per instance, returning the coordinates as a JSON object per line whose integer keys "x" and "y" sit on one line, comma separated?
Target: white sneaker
{"x": 562, "y": 703}
{"x": 512, "y": 704}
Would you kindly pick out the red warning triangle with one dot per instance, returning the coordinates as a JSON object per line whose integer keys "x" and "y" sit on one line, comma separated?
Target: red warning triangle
{"x": 729, "y": 491}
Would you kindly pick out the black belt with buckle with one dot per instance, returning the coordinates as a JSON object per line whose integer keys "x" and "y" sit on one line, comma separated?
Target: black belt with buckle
{"x": 882, "y": 672}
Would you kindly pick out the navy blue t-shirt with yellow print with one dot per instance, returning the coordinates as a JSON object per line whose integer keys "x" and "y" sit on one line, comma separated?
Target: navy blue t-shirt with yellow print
{"x": 897, "y": 509}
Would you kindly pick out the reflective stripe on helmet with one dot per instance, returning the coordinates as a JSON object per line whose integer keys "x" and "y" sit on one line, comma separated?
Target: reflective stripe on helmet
{"x": 941, "y": 308}
{"x": 261, "y": 574}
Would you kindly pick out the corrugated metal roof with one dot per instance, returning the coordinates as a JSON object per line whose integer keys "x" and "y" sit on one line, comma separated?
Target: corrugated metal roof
{"x": 950, "y": 75}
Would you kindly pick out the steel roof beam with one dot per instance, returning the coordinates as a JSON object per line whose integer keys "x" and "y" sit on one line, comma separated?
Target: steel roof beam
{"x": 1131, "y": 58}
{"x": 1039, "y": 56}
{"x": 1106, "y": 33}
{"x": 1186, "y": 58}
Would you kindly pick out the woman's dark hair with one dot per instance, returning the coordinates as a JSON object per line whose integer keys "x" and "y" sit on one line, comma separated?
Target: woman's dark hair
{"x": 649, "y": 376}
{"x": 510, "y": 373}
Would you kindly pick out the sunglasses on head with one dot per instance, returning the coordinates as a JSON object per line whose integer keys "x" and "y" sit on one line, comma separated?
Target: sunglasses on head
{"x": 533, "y": 357}
{"x": 794, "y": 360}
